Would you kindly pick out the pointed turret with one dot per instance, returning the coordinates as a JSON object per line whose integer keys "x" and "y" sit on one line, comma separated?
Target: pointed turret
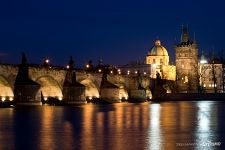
{"x": 71, "y": 63}
{"x": 184, "y": 35}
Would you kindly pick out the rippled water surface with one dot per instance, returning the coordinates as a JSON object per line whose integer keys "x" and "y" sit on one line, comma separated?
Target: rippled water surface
{"x": 123, "y": 126}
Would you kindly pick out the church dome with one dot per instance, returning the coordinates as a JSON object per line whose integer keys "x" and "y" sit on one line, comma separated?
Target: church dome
{"x": 158, "y": 50}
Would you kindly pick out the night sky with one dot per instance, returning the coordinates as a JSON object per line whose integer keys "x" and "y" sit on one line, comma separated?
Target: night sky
{"x": 117, "y": 31}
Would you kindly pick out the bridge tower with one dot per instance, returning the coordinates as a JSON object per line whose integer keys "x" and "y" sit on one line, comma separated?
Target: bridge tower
{"x": 186, "y": 63}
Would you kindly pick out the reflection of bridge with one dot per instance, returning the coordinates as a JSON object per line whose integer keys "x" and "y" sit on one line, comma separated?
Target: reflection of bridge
{"x": 51, "y": 80}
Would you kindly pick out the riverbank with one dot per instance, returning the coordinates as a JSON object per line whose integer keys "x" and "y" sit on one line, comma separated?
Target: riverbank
{"x": 191, "y": 97}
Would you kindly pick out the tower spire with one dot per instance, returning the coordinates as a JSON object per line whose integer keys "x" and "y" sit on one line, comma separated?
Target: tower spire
{"x": 184, "y": 35}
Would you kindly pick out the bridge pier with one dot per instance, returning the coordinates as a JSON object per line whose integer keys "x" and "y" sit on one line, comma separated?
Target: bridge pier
{"x": 25, "y": 89}
{"x": 73, "y": 91}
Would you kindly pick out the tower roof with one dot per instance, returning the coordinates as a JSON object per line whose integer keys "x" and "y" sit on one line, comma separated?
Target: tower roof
{"x": 184, "y": 35}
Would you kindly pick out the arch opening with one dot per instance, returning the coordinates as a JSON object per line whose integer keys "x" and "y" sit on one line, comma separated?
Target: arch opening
{"x": 91, "y": 90}
{"x": 6, "y": 91}
{"x": 49, "y": 88}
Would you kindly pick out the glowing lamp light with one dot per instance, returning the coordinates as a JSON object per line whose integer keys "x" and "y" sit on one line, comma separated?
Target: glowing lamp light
{"x": 3, "y": 99}
{"x": 47, "y": 61}
{"x": 126, "y": 98}
{"x": 45, "y": 98}
{"x": 11, "y": 98}
{"x": 111, "y": 71}
{"x": 136, "y": 72}
{"x": 203, "y": 61}
{"x": 119, "y": 72}
{"x": 67, "y": 66}
{"x": 87, "y": 66}
{"x": 99, "y": 70}
{"x": 60, "y": 98}
{"x": 144, "y": 73}
{"x": 90, "y": 98}
{"x": 154, "y": 65}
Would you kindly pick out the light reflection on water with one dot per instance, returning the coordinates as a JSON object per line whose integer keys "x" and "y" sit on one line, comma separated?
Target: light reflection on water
{"x": 117, "y": 126}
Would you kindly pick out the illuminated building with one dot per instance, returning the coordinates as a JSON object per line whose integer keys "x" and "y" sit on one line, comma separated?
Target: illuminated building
{"x": 211, "y": 75}
{"x": 158, "y": 58}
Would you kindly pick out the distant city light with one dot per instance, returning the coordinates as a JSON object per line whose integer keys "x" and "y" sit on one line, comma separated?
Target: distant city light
{"x": 99, "y": 70}
{"x": 87, "y": 66}
{"x": 144, "y": 73}
{"x": 111, "y": 72}
{"x": 136, "y": 72}
{"x": 67, "y": 66}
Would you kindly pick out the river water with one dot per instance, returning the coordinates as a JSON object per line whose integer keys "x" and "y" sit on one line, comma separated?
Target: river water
{"x": 122, "y": 126}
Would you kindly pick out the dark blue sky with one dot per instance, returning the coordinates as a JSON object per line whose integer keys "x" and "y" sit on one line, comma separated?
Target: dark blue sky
{"x": 118, "y": 31}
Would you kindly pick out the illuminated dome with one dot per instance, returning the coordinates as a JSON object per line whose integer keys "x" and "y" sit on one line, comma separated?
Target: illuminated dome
{"x": 158, "y": 50}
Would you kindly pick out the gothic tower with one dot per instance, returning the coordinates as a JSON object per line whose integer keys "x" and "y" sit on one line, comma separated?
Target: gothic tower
{"x": 186, "y": 63}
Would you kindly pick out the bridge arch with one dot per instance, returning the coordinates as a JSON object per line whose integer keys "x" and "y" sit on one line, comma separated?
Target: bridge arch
{"x": 6, "y": 91}
{"x": 49, "y": 87}
{"x": 91, "y": 89}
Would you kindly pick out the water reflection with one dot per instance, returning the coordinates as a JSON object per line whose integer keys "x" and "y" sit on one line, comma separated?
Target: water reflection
{"x": 155, "y": 138}
{"x": 6, "y": 129}
{"x": 115, "y": 127}
{"x": 119, "y": 126}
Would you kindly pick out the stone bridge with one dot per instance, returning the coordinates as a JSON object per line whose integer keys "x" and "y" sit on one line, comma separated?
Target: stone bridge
{"x": 51, "y": 80}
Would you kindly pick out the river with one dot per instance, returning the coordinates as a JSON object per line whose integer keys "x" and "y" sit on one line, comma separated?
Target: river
{"x": 121, "y": 126}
